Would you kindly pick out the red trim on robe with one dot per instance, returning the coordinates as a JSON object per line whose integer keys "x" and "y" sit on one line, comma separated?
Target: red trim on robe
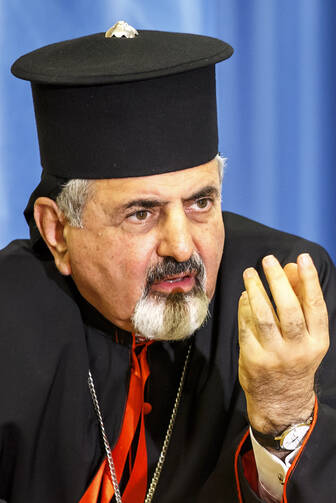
{"x": 291, "y": 468}
{"x": 241, "y": 443}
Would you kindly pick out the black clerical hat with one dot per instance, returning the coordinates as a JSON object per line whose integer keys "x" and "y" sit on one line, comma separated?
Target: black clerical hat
{"x": 111, "y": 107}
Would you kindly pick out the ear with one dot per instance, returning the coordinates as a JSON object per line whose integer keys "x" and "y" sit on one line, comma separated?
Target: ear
{"x": 51, "y": 223}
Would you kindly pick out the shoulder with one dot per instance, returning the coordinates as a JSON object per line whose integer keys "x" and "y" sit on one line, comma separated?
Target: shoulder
{"x": 249, "y": 241}
{"x": 28, "y": 277}
{"x": 42, "y": 337}
{"x": 36, "y": 301}
{"x": 18, "y": 260}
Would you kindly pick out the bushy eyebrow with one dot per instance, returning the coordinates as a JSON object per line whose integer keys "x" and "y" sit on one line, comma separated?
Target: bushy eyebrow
{"x": 143, "y": 203}
{"x": 208, "y": 191}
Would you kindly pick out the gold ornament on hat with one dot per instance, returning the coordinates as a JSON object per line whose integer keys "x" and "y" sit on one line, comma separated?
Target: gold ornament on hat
{"x": 121, "y": 29}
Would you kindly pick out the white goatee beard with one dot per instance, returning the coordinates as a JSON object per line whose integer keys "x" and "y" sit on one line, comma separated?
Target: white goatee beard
{"x": 170, "y": 318}
{"x": 175, "y": 316}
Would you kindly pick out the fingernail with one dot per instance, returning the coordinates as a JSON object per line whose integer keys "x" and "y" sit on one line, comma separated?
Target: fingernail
{"x": 269, "y": 261}
{"x": 249, "y": 273}
{"x": 305, "y": 259}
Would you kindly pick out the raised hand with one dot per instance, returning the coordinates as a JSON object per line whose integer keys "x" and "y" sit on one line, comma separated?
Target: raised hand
{"x": 281, "y": 350}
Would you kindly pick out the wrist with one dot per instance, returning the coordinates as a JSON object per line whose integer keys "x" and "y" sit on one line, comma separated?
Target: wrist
{"x": 274, "y": 419}
{"x": 287, "y": 441}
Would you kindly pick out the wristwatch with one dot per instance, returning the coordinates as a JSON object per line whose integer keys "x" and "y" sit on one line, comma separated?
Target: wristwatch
{"x": 291, "y": 438}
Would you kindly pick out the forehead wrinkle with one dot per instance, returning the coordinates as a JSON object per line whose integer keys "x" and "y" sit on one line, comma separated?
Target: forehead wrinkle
{"x": 152, "y": 200}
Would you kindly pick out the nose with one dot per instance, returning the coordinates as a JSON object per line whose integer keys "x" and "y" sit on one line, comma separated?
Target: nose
{"x": 176, "y": 238}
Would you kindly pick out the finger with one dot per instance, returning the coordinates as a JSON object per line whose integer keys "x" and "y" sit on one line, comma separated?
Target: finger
{"x": 245, "y": 319}
{"x": 289, "y": 309}
{"x": 264, "y": 316}
{"x": 291, "y": 271}
{"x": 313, "y": 303}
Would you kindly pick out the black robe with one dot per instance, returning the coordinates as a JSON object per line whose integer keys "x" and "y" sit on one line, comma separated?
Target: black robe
{"x": 50, "y": 444}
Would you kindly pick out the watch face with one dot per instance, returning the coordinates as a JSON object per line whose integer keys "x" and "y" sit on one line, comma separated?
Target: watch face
{"x": 294, "y": 437}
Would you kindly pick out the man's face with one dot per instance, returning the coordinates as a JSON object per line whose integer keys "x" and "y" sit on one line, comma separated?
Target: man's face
{"x": 133, "y": 228}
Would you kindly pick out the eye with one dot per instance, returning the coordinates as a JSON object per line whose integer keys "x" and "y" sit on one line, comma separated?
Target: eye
{"x": 203, "y": 203}
{"x": 139, "y": 216}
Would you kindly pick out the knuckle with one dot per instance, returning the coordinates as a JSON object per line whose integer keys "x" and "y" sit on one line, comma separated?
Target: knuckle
{"x": 294, "y": 328}
{"x": 291, "y": 312}
{"x": 316, "y": 302}
{"x": 323, "y": 323}
{"x": 311, "y": 355}
{"x": 242, "y": 334}
{"x": 265, "y": 326}
{"x": 245, "y": 333}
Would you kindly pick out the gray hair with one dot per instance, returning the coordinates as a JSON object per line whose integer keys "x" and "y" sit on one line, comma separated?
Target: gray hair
{"x": 75, "y": 194}
{"x": 72, "y": 200}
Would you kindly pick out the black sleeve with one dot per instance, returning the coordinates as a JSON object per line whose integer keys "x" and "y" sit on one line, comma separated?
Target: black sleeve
{"x": 312, "y": 476}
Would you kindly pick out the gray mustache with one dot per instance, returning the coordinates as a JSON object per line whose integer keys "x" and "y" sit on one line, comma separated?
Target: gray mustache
{"x": 170, "y": 267}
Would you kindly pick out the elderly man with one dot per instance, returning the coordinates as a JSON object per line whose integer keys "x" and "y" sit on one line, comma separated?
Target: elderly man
{"x": 122, "y": 377}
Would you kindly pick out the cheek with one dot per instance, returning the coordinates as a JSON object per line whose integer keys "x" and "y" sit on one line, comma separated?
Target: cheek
{"x": 110, "y": 271}
{"x": 130, "y": 258}
{"x": 211, "y": 251}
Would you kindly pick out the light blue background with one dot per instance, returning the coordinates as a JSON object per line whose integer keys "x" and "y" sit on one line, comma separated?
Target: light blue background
{"x": 276, "y": 100}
